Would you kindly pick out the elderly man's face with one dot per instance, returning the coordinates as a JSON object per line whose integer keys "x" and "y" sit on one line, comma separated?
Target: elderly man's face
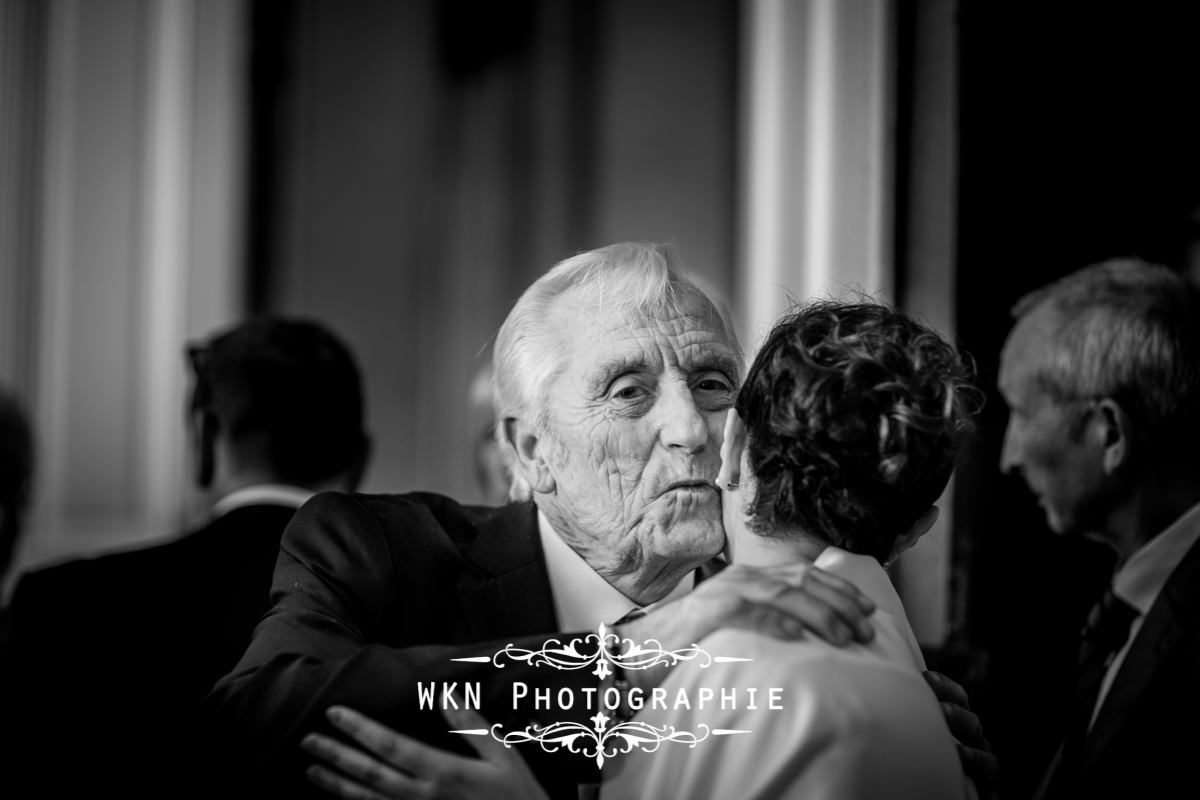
{"x": 634, "y": 436}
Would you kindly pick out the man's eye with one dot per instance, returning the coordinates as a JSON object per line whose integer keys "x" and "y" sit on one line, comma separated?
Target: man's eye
{"x": 713, "y": 383}
{"x": 630, "y": 391}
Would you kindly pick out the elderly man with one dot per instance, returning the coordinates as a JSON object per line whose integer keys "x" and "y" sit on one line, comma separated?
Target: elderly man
{"x": 613, "y": 375}
{"x": 1102, "y": 377}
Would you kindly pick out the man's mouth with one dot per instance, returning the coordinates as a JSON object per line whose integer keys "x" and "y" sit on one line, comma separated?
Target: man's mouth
{"x": 690, "y": 486}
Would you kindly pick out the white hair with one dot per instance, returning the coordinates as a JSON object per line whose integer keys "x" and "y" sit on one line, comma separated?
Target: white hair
{"x": 1129, "y": 330}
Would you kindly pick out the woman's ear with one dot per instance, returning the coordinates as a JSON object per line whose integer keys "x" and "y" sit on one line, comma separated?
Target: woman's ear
{"x": 732, "y": 446}
{"x": 527, "y": 456}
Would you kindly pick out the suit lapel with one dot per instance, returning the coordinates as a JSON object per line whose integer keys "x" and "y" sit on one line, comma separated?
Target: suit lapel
{"x": 509, "y": 595}
{"x": 1156, "y": 639}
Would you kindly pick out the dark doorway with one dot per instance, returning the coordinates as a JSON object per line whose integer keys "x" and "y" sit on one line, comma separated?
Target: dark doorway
{"x": 1079, "y": 136}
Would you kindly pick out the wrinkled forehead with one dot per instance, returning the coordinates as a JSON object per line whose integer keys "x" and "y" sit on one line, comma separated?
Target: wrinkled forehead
{"x": 685, "y": 330}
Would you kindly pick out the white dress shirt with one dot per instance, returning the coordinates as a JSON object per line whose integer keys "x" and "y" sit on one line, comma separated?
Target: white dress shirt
{"x": 1141, "y": 579}
{"x": 855, "y": 722}
{"x": 278, "y": 494}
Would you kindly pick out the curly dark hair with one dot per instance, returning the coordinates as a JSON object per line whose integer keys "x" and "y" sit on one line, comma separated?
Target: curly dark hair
{"x": 854, "y": 415}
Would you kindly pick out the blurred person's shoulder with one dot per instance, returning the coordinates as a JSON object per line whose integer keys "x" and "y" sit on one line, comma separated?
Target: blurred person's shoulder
{"x": 72, "y": 577}
{"x": 78, "y": 604}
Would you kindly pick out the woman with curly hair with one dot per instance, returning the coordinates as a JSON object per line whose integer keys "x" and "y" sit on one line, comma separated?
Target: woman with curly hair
{"x": 846, "y": 432}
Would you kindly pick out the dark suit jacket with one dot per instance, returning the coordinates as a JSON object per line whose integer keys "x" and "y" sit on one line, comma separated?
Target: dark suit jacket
{"x": 108, "y": 659}
{"x": 375, "y": 593}
{"x": 1145, "y": 741}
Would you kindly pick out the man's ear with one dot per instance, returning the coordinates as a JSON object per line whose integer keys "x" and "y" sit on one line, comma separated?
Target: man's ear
{"x": 203, "y": 429}
{"x": 528, "y": 456}
{"x": 732, "y": 446}
{"x": 1115, "y": 430}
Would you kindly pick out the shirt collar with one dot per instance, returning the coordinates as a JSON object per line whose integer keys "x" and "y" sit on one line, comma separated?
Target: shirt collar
{"x": 276, "y": 494}
{"x": 1140, "y": 579}
{"x": 582, "y": 598}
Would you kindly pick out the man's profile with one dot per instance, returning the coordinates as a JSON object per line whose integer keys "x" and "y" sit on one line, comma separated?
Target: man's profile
{"x": 1101, "y": 374}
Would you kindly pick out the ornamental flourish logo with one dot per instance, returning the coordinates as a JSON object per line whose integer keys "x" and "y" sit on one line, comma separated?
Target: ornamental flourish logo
{"x": 606, "y": 654}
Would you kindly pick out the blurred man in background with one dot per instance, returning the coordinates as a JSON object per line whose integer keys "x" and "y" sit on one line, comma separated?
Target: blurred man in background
{"x": 116, "y": 652}
{"x": 1102, "y": 377}
{"x": 493, "y": 476}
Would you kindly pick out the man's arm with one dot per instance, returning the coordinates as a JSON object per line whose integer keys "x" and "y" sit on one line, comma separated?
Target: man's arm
{"x": 344, "y": 609}
{"x": 330, "y": 578}
{"x": 339, "y": 587}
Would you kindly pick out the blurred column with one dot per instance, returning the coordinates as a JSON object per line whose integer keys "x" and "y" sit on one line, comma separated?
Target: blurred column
{"x": 22, "y": 28}
{"x": 816, "y": 159}
{"x": 819, "y": 189}
{"x": 932, "y": 576}
{"x": 137, "y": 248}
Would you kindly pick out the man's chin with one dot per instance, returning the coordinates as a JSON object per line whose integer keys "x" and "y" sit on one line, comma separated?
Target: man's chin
{"x": 1055, "y": 524}
{"x": 1061, "y": 526}
{"x": 693, "y": 538}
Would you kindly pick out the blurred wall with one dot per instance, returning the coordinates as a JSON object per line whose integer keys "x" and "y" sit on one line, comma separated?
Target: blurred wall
{"x": 428, "y": 160}
{"x": 817, "y": 156}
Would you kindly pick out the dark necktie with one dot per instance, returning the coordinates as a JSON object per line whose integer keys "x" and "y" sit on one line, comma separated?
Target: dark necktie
{"x": 1103, "y": 636}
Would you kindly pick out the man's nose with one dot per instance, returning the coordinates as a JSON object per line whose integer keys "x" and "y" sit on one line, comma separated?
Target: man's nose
{"x": 683, "y": 425}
